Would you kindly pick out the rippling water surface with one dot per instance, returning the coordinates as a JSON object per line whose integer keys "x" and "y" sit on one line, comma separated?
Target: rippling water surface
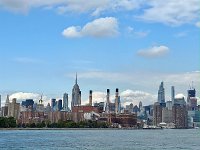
{"x": 100, "y": 139}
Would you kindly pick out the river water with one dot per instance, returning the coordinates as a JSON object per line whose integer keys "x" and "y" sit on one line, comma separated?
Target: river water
{"x": 168, "y": 139}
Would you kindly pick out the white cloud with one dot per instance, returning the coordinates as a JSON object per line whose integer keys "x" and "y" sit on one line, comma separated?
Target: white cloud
{"x": 139, "y": 33}
{"x": 128, "y": 96}
{"x": 198, "y": 24}
{"x": 171, "y": 12}
{"x": 94, "y": 7}
{"x": 156, "y": 51}
{"x": 102, "y": 27}
{"x": 72, "y": 32}
{"x": 23, "y": 96}
{"x": 180, "y": 95}
{"x": 143, "y": 81}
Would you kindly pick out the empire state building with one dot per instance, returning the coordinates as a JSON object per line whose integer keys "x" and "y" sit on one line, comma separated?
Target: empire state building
{"x": 76, "y": 95}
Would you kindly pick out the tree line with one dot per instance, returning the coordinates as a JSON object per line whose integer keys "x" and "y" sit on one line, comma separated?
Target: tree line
{"x": 10, "y": 122}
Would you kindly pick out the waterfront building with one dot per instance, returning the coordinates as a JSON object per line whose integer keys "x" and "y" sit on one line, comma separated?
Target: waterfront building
{"x": 180, "y": 116}
{"x": 57, "y": 116}
{"x": 167, "y": 115}
{"x": 157, "y": 114}
{"x": 76, "y": 95}
{"x": 161, "y": 93}
{"x": 79, "y": 111}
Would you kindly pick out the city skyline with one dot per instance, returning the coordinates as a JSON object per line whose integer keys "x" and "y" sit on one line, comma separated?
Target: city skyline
{"x": 130, "y": 45}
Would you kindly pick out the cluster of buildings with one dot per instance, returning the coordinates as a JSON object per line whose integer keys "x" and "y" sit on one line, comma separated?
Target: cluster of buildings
{"x": 175, "y": 113}
{"x": 28, "y": 111}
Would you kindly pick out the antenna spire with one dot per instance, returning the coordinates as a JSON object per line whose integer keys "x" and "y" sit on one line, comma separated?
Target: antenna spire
{"x": 76, "y": 78}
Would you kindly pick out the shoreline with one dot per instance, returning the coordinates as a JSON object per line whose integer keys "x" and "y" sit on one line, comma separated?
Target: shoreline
{"x": 69, "y": 129}
{"x": 1, "y": 129}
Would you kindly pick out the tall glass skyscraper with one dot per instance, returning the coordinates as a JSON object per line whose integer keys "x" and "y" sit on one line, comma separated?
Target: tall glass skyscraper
{"x": 65, "y": 102}
{"x": 161, "y": 93}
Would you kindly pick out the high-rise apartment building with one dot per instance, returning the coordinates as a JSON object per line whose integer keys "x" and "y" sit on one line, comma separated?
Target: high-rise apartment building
{"x": 157, "y": 114}
{"x": 180, "y": 116}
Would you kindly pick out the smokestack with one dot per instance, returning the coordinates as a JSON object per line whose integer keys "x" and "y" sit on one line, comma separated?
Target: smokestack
{"x": 116, "y": 101}
{"x": 108, "y": 101}
{"x": 108, "y": 96}
{"x": 79, "y": 103}
{"x": 90, "y": 98}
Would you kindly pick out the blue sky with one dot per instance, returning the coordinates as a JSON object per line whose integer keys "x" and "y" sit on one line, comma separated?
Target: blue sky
{"x": 128, "y": 44}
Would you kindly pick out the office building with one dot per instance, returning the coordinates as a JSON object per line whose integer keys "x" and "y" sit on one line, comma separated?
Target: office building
{"x": 65, "y": 102}
{"x": 161, "y": 93}
{"x": 59, "y": 104}
{"x": 28, "y": 103}
{"x": 53, "y": 104}
{"x": 14, "y": 109}
{"x": 76, "y": 95}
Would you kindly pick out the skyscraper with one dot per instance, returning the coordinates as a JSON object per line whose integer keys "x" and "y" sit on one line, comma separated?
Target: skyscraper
{"x": 65, "y": 102}
{"x": 7, "y": 100}
{"x": 76, "y": 95}
{"x": 172, "y": 94}
{"x": 161, "y": 93}
{"x": 59, "y": 103}
{"x": 191, "y": 99}
{"x": 0, "y": 102}
{"x": 53, "y": 103}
